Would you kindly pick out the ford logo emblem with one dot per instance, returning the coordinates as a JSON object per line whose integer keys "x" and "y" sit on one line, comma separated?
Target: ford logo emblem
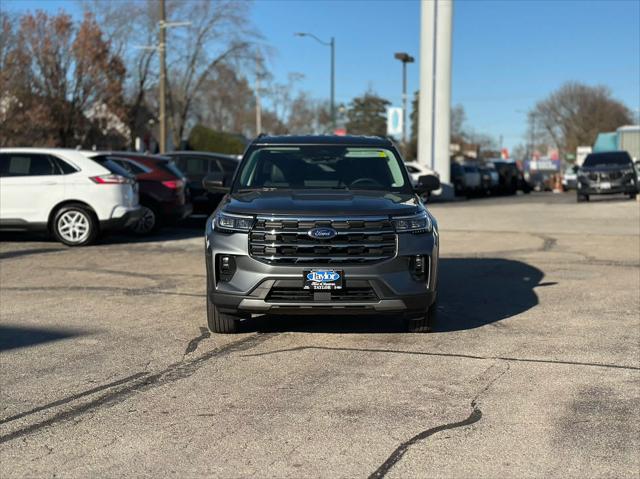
{"x": 322, "y": 233}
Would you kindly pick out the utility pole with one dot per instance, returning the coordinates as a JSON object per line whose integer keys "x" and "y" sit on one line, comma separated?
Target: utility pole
{"x": 162, "y": 49}
{"x": 404, "y": 58}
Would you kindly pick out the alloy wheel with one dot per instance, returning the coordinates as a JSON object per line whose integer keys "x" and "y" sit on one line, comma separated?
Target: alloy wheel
{"x": 74, "y": 226}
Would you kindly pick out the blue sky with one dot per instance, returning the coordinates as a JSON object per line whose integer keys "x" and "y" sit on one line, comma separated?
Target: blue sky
{"x": 506, "y": 54}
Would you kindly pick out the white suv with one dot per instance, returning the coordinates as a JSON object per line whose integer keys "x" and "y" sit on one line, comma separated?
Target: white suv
{"x": 64, "y": 192}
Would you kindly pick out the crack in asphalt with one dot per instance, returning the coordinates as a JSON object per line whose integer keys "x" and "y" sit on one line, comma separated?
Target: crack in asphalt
{"x": 396, "y": 455}
{"x": 193, "y": 344}
{"x": 73, "y": 397}
{"x": 474, "y": 417}
{"x": 450, "y": 355}
{"x": 133, "y": 384}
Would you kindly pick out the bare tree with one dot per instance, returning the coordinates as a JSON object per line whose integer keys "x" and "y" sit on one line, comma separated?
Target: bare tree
{"x": 226, "y": 102}
{"x": 219, "y": 33}
{"x": 307, "y": 115}
{"x": 574, "y": 114}
{"x": 57, "y": 72}
{"x": 131, "y": 28}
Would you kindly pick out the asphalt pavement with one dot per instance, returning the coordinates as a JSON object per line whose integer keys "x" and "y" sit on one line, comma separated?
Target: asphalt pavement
{"x": 107, "y": 369}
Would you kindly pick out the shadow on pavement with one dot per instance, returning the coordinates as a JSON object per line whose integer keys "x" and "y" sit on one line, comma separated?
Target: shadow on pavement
{"x": 473, "y": 292}
{"x": 14, "y": 337}
{"x": 188, "y": 228}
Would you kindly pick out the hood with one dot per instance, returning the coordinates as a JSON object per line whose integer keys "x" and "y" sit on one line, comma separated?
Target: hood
{"x": 321, "y": 203}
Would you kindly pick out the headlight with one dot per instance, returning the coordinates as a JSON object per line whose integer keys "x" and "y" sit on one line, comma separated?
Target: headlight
{"x": 420, "y": 223}
{"x": 230, "y": 223}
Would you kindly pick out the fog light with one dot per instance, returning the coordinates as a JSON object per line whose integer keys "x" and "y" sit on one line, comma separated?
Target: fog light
{"x": 226, "y": 266}
{"x": 418, "y": 267}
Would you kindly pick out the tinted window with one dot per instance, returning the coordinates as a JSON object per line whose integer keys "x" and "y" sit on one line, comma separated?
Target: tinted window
{"x": 131, "y": 166}
{"x": 112, "y": 165}
{"x": 27, "y": 164}
{"x": 171, "y": 167}
{"x": 607, "y": 159}
{"x": 312, "y": 167}
{"x": 195, "y": 166}
{"x": 412, "y": 169}
{"x": 229, "y": 166}
{"x": 65, "y": 167}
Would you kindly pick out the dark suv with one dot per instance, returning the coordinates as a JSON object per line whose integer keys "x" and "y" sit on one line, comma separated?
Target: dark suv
{"x": 198, "y": 164}
{"x": 162, "y": 188}
{"x": 607, "y": 173}
{"x": 321, "y": 225}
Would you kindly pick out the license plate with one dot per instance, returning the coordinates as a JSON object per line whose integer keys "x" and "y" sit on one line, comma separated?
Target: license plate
{"x": 319, "y": 279}
{"x": 605, "y": 185}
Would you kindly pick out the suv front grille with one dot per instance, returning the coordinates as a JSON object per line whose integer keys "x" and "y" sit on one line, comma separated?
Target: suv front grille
{"x": 286, "y": 241}
{"x": 280, "y": 294}
{"x": 610, "y": 175}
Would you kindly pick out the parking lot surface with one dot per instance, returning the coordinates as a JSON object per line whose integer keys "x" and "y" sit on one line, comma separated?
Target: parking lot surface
{"x": 533, "y": 370}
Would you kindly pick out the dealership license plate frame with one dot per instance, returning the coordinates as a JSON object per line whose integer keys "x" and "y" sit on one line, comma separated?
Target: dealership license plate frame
{"x": 323, "y": 285}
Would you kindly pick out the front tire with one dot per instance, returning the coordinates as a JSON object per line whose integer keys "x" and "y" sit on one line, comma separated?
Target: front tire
{"x": 426, "y": 322}
{"x": 581, "y": 198}
{"x": 219, "y": 322}
{"x": 632, "y": 196}
{"x": 75, "y": 225}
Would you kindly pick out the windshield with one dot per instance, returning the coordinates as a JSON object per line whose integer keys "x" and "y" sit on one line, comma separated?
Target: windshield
{"x": 618, "y": 158}
{"x": 322, "y": 167}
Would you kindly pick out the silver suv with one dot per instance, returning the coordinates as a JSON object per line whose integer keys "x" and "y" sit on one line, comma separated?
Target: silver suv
{"x": 321, "y": 225}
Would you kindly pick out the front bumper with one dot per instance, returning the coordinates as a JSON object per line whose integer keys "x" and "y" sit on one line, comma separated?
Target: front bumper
{"x": 613, "y": 189}
{"x": 396, "y": 289}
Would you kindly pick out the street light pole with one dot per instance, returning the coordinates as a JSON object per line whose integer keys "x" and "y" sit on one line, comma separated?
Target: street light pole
{"x": 404, "y": 58}
{"x": 332, "y": 45}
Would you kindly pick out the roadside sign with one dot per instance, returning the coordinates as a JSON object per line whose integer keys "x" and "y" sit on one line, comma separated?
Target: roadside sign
{"x": 394, "y": 121}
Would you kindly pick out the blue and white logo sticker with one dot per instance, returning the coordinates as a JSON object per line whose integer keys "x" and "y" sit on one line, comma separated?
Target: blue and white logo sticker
{"x": 323, "y": 276}
{"x": 322, "y": 233}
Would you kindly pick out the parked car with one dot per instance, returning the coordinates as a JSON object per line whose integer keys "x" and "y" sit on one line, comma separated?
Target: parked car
{"x": 65, "y": 193}
{"x": 473, "y": 179}
{"x": 458, "y": 179}
{"x": 570, "y": 178}
{"x": 416, "y": 170}
{"x": 466, "y": 179}
{"x": 607, "y": 173}
{"x": 510, "y": 177}
{"x": 196, "y": 165}
{"x": 490, "y": 179}
{"x": 162, "y": 188}
{"x": 321, "y": 225}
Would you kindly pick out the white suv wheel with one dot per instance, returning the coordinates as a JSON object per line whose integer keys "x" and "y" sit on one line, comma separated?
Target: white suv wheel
{"x": 75, "y": 226}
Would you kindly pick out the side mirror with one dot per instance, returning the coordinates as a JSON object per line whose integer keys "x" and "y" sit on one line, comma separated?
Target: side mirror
{"x": 215, "y": 183}
{"x": 427, "y": 183}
